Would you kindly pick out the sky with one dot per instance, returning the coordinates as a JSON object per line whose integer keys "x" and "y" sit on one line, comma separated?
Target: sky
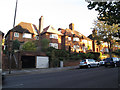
{"x": 58, "y": 13}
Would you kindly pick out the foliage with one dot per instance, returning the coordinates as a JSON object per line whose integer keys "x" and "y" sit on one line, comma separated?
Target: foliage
{"x": 95, "y": 55}
{"x": 56, "y": 55}
{"x": 29, "y": 46}
{"x": 100, "y": 55}
{"x": 106, "y": 33}
{"x": 16, "y": 45}
{"x": 44, "y": 44}
{"x": 89, "y": 55}
{"x": 117, "y": 52}
{"x": 108, "y": 11}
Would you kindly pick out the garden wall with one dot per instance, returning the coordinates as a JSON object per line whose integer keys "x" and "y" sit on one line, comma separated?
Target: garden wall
{"x": 71, "y": 63}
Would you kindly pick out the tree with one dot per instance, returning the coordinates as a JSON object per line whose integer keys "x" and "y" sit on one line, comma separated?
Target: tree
{"x": 29, "y": 46}
{"x": 106, "y": 33}
{"x": 44, "y": 44}
{"x": 16, "y": 45}
{"x": 108, "y": 11}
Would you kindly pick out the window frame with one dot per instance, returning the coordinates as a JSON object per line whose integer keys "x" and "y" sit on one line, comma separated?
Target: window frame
{"x": 16, "y": 33}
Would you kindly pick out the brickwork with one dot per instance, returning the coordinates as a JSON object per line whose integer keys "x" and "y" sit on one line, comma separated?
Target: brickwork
{"x": 71, "y": 63}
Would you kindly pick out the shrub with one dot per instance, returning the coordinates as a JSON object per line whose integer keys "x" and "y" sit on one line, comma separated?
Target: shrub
{"x": 44, "y": 44}
{"x": 29, "y": 46}
{"x": 16, "y": 45}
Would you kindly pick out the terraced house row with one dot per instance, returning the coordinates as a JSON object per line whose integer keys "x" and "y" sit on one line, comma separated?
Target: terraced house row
{"x": 68, "y": 39}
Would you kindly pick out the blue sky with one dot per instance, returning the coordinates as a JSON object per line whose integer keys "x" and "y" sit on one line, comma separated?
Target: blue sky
{"x": 58, "y": 13}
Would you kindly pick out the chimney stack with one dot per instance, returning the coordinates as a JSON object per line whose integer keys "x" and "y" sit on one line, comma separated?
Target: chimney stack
{"x": 40, "y": 30}
{"x": 41, "y": 24}
{"x": 94, "y": 32}
{"x": 71, "y": 26}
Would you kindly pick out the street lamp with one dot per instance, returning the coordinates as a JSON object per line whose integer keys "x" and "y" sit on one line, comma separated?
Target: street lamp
{"x": 11, "y": 51}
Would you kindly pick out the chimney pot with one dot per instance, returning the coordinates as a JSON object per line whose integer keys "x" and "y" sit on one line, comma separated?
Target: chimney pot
{"x": 71, "y": 26}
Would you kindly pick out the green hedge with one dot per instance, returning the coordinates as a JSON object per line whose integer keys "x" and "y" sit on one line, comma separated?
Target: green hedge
{"x": 57, "y": 55}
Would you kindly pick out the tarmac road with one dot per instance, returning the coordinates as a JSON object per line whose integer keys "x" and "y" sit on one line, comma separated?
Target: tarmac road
{"x": 77, "y": 78}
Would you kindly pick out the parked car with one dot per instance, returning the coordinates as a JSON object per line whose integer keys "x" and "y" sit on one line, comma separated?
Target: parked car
{"x": 119, "y": 59}
{"x": 88, "y": 63}
{"x": 102, "y": 62}
{"x": 114, "y": 61}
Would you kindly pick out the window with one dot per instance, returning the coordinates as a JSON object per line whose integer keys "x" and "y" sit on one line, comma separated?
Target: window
{"x": 69, "y": 38}
{"x": 83, "y": 48}
{"x": 55, "y": 36}
{"x": 37, "y": 37}
{"x": 91, "y": 60}
{"x": 106, "y": 50}
{"x": 26, "y": 35}
{"x": 84, "y": 41}
{"x": 16, "y": 34}
{"x": 55, "y": 45}
{"x": 76, "y": 46}
{"x": 89, "y": 42}
{"x": 76, "y": 39}
{"x": 105, "y": 43}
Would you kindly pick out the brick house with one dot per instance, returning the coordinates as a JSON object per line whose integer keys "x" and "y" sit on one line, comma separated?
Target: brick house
{"x": 22, "y": 32}
{"x": 1, "y": 47}
{"x": 73, "y": 40}
{"x": 53, "y": 36}
{"x": 103, "y": 47}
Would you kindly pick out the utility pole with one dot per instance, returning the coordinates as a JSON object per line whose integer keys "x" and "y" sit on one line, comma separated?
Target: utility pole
{"x": 12, "y": 51}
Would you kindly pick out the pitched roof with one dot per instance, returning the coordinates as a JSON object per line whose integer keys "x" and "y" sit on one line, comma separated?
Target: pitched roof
{"x": 24, "y": 27}
{"x": 20, "y": 29}
{"x": 73, "y": 33}
{"x": 51, "y": 29}
{"x": 30, "y": 27}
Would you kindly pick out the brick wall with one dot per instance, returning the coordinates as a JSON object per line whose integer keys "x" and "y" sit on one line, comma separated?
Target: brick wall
{"x": 5, "y": 63}
{"x": 52, "y": 40}
{"x": 71, "y": 63}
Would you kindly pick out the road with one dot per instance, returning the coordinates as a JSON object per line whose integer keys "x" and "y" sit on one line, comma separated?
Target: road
{"x": 78, "y": 78}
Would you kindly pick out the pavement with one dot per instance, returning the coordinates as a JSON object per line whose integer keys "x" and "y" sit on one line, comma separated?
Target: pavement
{"x": 37, "y": 71}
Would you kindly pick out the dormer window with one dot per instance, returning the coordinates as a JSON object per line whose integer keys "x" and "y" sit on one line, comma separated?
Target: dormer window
{"x": 16, "y": 34}
{"x": 75, "y": 39}
{"x": 55, "y": 36}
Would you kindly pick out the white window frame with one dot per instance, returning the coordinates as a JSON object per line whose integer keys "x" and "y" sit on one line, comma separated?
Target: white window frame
{"x": 25, "y": 35}
{"x": 75, "y": 39}
{"x": 55, "y": 36}
{"x": 16, "y": 34}
{"x": 69, "y": 38}
{"x": 84, "y": 41}
{"x": 55, "y": 45}
{"x": 76, "y": 47}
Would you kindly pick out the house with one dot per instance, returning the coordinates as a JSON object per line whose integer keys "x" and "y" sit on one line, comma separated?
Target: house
{"x": 73, "y": 40}
{"x": 22, "y": 32}
{"x": 53, "y": 36}
{"x": 103, "y": 46}
{"x": 1, "y": 47}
